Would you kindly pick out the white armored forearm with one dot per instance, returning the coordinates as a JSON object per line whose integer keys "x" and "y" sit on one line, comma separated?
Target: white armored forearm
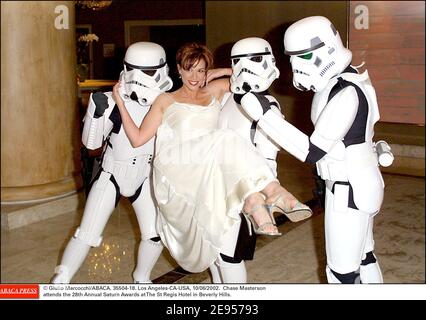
{"x": 96, "y": 127}
{"x": 276, "y": 127}
{"x": 285, "y": 134}
{"x": 92, "y": 136}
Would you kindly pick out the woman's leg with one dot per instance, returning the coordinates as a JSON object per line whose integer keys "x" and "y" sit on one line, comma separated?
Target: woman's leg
{"x": 274, "y": 190}
{"x": 255, "y": 207}
{"x": 280, "y": 200}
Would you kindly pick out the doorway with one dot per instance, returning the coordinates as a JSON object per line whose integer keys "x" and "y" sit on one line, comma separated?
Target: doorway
{"x": 170, "y": 34}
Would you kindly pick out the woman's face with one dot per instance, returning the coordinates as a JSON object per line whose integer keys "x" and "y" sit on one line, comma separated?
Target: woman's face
{"x": 195, "y": 77}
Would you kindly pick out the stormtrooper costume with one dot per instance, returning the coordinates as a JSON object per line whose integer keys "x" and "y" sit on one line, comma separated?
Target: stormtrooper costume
{"x": 344, "y": 111}
{"x": 125, "y": 171}
{"x": 253, "y": 70}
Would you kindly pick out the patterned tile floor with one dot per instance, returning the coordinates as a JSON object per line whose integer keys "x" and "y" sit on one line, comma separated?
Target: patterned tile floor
{"x": 30, "y": 253}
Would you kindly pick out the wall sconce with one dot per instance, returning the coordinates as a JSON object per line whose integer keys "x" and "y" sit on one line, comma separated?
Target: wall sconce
{"x": 93, "y": 4}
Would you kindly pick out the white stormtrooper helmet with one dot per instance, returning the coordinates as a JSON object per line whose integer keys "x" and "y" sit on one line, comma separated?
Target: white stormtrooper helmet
{"x": 316, "y": 52}
{"x": 145, "y": 75}
{"x": 253, "y": 66}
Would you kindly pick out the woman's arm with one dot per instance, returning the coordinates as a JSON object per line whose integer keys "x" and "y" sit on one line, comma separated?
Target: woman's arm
{"x": 151, "y": 122}
{"x": 217, "y": 73}
{"x": 220, "y": 86}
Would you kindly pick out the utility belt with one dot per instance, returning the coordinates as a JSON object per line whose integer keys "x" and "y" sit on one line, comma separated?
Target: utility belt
{"x": 357, "y": 157}
{"x": 128, "y": 169}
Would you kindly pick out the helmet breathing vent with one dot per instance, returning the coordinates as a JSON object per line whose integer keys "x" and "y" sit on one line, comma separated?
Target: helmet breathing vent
{"x": 246, "y": 70}
{"x": 136, "y": 83}
{"x": 326, "y": 68}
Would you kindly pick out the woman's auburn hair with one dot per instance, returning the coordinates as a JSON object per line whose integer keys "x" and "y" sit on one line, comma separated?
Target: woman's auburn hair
{"x": 189, "y": 54}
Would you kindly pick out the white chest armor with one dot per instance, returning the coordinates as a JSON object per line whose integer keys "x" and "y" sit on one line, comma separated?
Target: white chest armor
{"x": 319, "y": 101}
{"x": 129, "y": 166}
{"x": 341, "y": 159}
{"x": 122, "y": 148}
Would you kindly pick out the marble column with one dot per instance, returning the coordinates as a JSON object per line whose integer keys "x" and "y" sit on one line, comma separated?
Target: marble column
{"x": 40, "y": 129}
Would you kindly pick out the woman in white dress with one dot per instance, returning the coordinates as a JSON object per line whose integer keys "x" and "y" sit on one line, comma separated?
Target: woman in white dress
{"x": 203, "y": 177}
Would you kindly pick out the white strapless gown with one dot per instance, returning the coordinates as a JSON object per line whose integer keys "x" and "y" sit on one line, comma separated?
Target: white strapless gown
{"x": 201, "y": 177}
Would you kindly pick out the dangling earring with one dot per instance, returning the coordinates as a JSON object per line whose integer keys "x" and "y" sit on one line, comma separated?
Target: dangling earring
{"x": 180, "y": 76}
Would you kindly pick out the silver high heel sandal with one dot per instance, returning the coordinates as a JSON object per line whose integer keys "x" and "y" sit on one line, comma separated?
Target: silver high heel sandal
{"x": 259, "y": 229}
{"x": 298, "y": 213}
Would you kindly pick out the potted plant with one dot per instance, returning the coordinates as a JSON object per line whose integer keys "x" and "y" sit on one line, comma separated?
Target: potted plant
{"x": 83, "y": 58}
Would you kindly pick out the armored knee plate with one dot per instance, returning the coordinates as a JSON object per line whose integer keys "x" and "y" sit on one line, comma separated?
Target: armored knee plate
{"x": 87, "y": 237}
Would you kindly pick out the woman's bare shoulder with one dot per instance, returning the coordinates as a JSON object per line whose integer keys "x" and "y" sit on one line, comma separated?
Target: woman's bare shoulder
{"x": 218, "y": 87}
{"x": 163, "y": 101}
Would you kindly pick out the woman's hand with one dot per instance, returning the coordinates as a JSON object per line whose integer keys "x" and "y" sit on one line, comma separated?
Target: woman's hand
{"x": 116, "y": 94}
{"x": 217, "y": 73}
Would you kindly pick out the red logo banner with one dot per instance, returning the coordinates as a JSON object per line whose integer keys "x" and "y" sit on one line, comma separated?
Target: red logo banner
{"x": 19, "y": 291}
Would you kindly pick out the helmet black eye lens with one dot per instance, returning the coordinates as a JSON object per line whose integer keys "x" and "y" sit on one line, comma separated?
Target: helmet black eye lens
{"x": 256, "y": 58}
{"x": 235, "y": 61}
{"x": 149, "y": 72}
{"x": 307, "y": 56}
{"x": 129, "y": 68}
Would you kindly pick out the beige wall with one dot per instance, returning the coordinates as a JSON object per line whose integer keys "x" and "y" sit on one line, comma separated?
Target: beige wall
{"x": 39, "y": 126}
{"x": 392, "y": 46}
{"x": 230, "y": 21}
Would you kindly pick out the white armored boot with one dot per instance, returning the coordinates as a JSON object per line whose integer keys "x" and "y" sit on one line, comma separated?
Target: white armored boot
{"x": 148, "y": 254}
{"x": 74, "y": 255}
{"x": 232, "y": 272}
{"x": 370, "y": 270}
{"x": 371, "y": 273}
